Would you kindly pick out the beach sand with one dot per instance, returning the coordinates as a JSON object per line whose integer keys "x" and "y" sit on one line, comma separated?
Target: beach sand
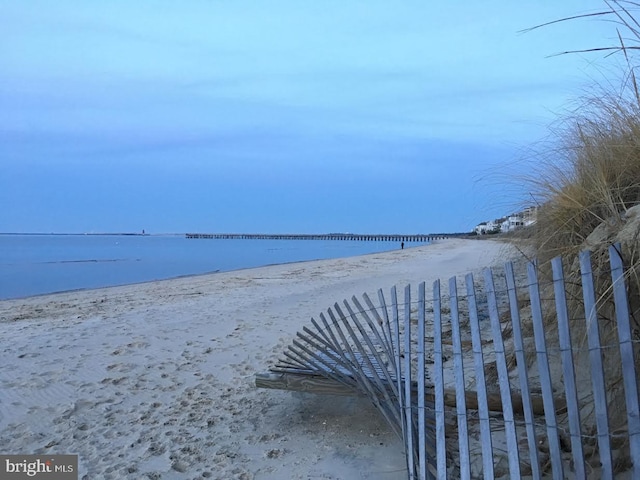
{"x": 156, "y": 380}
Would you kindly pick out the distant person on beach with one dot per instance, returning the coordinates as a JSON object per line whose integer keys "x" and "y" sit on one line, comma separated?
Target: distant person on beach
{"x": 401, "y": 245}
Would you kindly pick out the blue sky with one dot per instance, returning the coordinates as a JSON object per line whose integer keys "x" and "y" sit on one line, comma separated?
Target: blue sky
{"x": 277, "y": 116}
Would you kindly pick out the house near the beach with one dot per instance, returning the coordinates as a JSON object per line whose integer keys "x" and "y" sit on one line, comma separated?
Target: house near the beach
{"x": 530, "y": 215}
{"x": 510, "y": 223}
{"x": 485, "y": 228}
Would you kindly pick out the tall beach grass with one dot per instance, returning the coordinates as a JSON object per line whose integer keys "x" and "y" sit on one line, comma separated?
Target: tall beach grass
{"x": 591, "y": 172}
{"x": 586, "y": 183}
{"x": 591, "y": 177}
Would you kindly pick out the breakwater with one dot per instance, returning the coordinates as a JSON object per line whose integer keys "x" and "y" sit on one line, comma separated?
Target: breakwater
{"x": 325, "y": 236}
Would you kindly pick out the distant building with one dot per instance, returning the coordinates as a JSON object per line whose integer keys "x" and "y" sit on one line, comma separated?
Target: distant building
{"x": 530, "y": 215}
{"x": 487, "y": 227}
{"x": 510, "y": 223}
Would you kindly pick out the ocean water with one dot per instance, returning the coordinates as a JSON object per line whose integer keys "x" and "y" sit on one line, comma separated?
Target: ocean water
{"x": 39, "y": 264}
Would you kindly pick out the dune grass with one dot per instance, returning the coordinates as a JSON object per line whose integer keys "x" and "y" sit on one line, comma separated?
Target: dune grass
{"x": 584, "y": 185}
{"x": 593, "y": 177}
{"x": 591, "y": 174}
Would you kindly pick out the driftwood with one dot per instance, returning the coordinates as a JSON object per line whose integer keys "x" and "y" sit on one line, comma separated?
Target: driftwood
{"x": 317, "y": 384}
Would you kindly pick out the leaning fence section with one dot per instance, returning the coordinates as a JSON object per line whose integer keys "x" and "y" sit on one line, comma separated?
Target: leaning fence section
{"x": 504, "y": 375}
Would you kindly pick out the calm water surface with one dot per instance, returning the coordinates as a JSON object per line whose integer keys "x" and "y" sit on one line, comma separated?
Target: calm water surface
{"x": 39, "y": 264}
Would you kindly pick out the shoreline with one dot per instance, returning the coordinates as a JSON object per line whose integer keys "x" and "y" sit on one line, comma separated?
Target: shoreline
{"x": 213, "y": 272}
{"x": 187, "y": 276}
{"x": 155, "y": 380}
{"x": 172, "y": 277}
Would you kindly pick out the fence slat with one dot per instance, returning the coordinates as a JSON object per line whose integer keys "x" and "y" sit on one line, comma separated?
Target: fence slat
{"x": 327, "y": 357}
{"x": 387, "y": 348}
{"x": 407, "y": 379}
{"x": 438, "y": 384}
{"x": 503, "y": 377}
{"x": 595, "y": 359}
{"x": 626, "y": 354}
{"x": 317, "y": 361}
{"x": 568, "y": 369}
{"x": 377, "y": 383}
{"x": 458, "y": 367}
{"x": 385, "y": 339}
{"x": 421, "y": 382}
{"x": 334, "y": 340}
{"x": 360, "y": 352}
{"x": 545, "y": 374}
{"x": 362, "y": 379}
{"x": 523, "y": 374}
{"x": 385, "y": 326}
{"x": 481, "y": 383}
{"x": 398, "y": 353}
{"x": 328, "y": 339}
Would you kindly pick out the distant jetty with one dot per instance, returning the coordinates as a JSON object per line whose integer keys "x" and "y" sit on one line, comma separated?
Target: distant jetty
{"x": 393, "y": 237}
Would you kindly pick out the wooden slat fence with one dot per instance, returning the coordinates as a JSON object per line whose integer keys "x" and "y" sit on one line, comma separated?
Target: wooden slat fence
{"x": 504, "y": 377}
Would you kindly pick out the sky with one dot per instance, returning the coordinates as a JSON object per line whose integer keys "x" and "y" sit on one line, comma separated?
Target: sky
{"x": 278, "y": 116}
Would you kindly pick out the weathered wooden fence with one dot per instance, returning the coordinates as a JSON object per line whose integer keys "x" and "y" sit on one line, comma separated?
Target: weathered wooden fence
{"x": 487, "y": 380}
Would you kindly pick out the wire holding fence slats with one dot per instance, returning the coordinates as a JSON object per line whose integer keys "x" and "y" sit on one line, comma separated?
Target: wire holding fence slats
{"x": 374, "y": 350}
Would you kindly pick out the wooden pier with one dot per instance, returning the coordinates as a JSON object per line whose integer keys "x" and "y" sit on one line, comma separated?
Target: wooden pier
{"x": 418, "y": 238}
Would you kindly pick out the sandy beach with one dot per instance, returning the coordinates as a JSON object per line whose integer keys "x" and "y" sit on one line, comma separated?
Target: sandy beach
{"x": 156, "y": 380}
